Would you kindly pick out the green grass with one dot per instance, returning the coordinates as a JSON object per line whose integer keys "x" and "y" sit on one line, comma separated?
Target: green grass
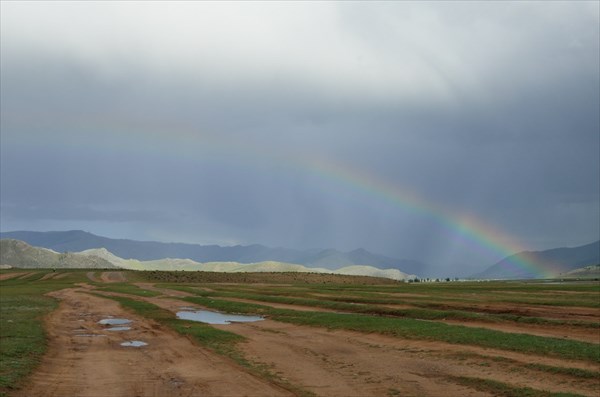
{"x": 500, "y": 389}
{"x": 23, "y": 306}
{"x": 574, "y": 372}
{"x": 416, "y": 329}
{"x": 23, "y": 340}
{"x": 222, "y": 342}
{"x": 208, "y": 336}
{"x": 351, "y": 305}
{"x": 22, "y": 336}
{"x": 518, "y": 365}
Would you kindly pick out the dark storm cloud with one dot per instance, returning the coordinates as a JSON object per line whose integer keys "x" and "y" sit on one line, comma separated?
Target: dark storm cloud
{"x": 181, "y": 123}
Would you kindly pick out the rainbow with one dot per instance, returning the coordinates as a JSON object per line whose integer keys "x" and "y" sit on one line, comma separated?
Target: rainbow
{"x": 184, "y": 142}
{"x": 465, "y": 226}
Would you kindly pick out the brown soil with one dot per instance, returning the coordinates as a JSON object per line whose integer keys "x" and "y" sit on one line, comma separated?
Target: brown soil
{"x": 7, "y": 276}
{"x": 48, "y": 276}
{"x": 591, "y": 335}
{"x": 576, "y": 333}
{"x": 92, "y": 277}
{"x": 170, "y": 365}
{"x": 345, "y": 363}
{"x": 555, "y": 312}
{"x": 113, "y": 277}
{"x": 62, "y": 275}
{"x": 280, "y": 305}
{"x": 27, "y": 275}
{"x": 324, "y": 362}
{"x": 164, "y": 291}
{"x": 402, "y": 295}
{"x": 107, "y": 277}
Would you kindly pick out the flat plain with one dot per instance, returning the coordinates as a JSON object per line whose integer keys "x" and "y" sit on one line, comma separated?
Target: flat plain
{"x": 321, "y": 336}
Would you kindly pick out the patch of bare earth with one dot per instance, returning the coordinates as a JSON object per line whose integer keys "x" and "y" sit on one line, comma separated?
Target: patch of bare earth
{"x": 345, "y": 363}
{"x": 280, "y": 305}
{"x": 86, "y": 360}
{"x": 164, "y": 291}
{"x": 27, "y": 275}
{"x": 62, "y": 275}
{"x": 92, "y": 277}
{"x": 567, "y": 332}
{"x": 113, "y": 277}
{"x": 7, "y": 276}
{"x": 553, "y": 312}
{"x": 48, "y": 276}
{"x": 591, "y": 335}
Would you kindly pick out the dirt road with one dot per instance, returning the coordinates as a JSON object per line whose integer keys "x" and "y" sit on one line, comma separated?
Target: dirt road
{"x": 324, "y": 362}
{"x": 7, "y": 276}
{"x": 86, "y": 360}
{"x": 345, "y": 363}
{"x": 567, "y": 332}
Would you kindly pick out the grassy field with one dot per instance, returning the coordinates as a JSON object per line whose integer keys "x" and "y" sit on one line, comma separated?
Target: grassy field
{"x": 23, "y": 305}
{"x": 416, "y": 329}
{"x": 438, "y": 312}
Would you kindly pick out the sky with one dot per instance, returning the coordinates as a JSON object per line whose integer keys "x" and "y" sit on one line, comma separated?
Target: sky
{"x": 454, "y": 133}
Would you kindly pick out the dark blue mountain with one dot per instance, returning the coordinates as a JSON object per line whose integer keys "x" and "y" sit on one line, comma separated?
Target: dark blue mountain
{"x": 550, "y": 263}
{"x": 77, "y": 240}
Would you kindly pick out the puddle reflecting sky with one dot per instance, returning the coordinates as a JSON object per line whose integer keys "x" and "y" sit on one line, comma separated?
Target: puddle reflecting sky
{"x": 118, "y": 329}
{"x": 114, "y": 321}
{"x": 134, "y": 343}
{"x": 209, "y": 317}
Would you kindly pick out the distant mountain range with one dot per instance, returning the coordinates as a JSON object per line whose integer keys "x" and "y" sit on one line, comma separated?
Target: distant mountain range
{"x": 16, "y": 253}
{"x": 553, "y": 263}
{"x": 77, "y": 240}
{"x": 152, "y": 255}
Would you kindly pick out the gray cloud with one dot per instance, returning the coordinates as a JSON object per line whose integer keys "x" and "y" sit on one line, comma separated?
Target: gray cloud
{"x": 204, "y": 121}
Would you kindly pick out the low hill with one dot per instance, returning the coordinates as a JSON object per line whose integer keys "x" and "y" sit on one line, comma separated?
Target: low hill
{"x": 592, "y": 271}
{"x": 170, "y": 264}
{"x": 17, "y": 253}
{"x": 552, "y": 263}
{"x": 77, "y": 240}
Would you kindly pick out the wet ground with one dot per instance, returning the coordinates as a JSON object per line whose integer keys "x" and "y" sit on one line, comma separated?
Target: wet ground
{"x": 86, "y": 360}
{"x": 211, "y": 317}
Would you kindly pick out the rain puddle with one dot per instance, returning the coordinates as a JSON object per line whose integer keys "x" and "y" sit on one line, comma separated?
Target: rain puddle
{"x": 114, "y": 321}
{"x": 90, "y": 335}
{"x": 134, "y": 343}
{"x": 118, "y": 329}
{"x": 205, "y": 316}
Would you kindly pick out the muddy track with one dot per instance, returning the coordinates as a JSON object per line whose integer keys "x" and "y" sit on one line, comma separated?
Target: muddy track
{"x": 164, "y": 291}
{"x": 526, "y": 310}
{"x": 591, "y": 335}
{"x": 113, "y": 277}
{"x": 86, "y": 360}
{"x": 345, "y": 363}
{"x": 8, "y": 276}
{"x": 92, "y": 277}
